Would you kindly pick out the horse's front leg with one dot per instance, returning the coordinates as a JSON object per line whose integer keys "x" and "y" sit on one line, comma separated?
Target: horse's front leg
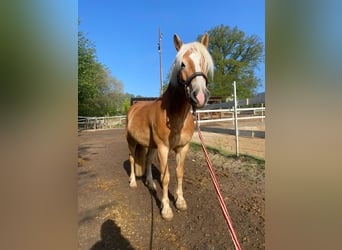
{"x": 166, "y": 210}
{"x": 180, "y": 158}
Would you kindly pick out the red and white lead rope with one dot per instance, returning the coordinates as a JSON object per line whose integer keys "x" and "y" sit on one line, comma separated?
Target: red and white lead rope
{"x": 217, "y": 189}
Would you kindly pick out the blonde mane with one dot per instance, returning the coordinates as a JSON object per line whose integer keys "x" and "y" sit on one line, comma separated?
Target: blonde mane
{"x": 197, "y": 47}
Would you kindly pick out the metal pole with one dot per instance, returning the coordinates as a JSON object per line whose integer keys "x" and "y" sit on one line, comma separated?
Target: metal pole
{"x": 160, "y": 60}
{"x": 236, "y": 122}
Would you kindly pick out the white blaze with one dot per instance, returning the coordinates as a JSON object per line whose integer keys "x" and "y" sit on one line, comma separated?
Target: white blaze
{"x": 195, "y": 57}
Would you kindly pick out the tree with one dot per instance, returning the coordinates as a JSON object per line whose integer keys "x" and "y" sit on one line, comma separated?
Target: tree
{"x": 89, "y": 72}
{"x": 99, "y": 93}
{"x": 235, "y": 57}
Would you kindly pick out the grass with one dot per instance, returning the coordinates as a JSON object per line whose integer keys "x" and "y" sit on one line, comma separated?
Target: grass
{"x": 243, "y": 157}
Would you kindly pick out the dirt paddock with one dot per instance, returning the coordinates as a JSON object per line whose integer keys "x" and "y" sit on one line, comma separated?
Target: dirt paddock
{"x": 114, "y": 216}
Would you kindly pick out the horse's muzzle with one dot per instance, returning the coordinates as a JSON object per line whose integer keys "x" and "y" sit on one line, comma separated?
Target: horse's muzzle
{"x": 197, "y": 90}
{"x": 199, "y": 98}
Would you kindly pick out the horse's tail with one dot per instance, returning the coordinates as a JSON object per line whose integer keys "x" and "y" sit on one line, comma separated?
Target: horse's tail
{"x": 139, "y": 161}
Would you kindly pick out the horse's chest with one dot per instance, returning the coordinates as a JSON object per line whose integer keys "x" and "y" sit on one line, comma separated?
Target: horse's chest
{"x": 180, "y": 137}
{"x": 173, "y": 131}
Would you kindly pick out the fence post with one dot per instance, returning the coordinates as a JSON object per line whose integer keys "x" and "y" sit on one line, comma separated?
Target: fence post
{"x": 236, "y": 122}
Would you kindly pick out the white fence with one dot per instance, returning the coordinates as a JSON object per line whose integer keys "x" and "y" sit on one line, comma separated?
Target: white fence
{"x": 221, "y": 115}
{"x": 219, "y": 112}
{"x": 106, "y": 122}
{"x": 204, "y": 116}
{"x": 258, "y": 99}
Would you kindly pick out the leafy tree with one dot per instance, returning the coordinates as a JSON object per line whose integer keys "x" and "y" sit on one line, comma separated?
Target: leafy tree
{"x": 126, "y": 104}
{"x": 166, "y": 80}
{"x": 235, "y": 56}
{"x": 89, "y": 72}
{"x": 99, "y": 94}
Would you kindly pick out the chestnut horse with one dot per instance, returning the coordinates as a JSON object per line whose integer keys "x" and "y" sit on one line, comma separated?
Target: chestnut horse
{"x": 156, "y": 127}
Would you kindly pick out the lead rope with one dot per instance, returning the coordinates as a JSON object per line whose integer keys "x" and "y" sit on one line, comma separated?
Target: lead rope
{"x": 217, "y": 189}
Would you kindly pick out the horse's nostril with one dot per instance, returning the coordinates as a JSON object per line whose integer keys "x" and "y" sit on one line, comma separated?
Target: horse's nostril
{"x": 199, "y": 98}
{"x": 193, "y": 97}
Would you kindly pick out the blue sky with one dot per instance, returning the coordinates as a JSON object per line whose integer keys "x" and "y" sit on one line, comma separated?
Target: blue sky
{"x": 125, "y": 33}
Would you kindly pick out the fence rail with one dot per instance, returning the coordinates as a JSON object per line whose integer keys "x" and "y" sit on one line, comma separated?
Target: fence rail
{"x": 204, "y": 116}
{"x": 106, "y": 122}
{"x": 258, "y": 99}
{"x": 221, "y": 115}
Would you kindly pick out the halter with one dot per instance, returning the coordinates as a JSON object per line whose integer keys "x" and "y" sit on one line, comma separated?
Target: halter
{"x": 187, "y": 82}
{"x": 186, "y": 85}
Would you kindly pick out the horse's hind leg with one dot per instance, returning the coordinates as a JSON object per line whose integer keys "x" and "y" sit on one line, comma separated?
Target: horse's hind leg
{"x": 132, "y": 181}
{"x": 180, "y": 158}
{"x": 149, "y": 178}
{"x": 137, "y": 158}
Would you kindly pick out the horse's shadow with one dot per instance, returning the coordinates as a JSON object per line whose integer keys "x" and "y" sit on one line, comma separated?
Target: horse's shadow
{"x": 156, "y": 178}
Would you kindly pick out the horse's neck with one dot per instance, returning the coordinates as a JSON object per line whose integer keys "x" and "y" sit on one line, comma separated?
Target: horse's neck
{"x": 176, "y": 103}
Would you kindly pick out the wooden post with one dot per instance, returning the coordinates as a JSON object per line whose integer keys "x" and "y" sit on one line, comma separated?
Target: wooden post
{"x": 160, "y": 61}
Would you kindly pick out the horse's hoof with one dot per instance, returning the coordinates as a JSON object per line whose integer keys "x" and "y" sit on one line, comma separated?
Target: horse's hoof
{"x": 132, "y": 184}
{"x": 181, "y": 204}
{"x": 167, "y": 214}
{"x": 151, "y": 185}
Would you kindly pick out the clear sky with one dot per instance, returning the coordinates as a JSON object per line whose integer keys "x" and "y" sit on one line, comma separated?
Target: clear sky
{"x": 125, "y": 33}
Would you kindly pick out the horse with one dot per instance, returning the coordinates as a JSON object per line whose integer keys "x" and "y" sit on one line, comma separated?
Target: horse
{"x": 165, "y": 124}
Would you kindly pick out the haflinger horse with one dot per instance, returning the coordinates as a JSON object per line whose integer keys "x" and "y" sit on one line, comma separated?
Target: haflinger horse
{"x": 157, "y": 127}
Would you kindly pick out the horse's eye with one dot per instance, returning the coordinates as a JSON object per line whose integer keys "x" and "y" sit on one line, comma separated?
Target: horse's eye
{"x": 182, "y": 65}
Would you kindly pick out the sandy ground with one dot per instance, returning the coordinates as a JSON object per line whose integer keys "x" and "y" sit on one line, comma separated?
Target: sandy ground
{"x": 220, "y": 136}
{"x": 114, "y": 216}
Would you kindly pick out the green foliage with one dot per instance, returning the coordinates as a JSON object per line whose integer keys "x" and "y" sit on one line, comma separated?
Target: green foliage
{"x": 166, "y": 80}
{"x": 126, "y": 105}
{"x": 235, "y": 56}
{"x": 87, "y": 74}
{"x": 99, "y": 94}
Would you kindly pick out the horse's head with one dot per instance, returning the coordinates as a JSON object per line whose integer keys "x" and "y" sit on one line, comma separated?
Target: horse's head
{"x": 192, "y": 65}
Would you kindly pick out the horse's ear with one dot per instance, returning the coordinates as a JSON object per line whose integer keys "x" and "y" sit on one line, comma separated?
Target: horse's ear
{"x": 205, "y": 39}
{"x": 177, "y": 41}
